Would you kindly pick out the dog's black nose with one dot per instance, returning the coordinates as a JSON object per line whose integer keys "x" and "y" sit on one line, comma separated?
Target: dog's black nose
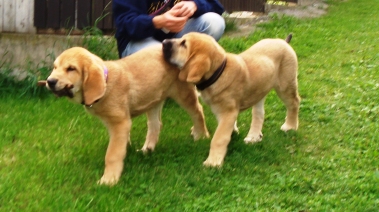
{"x": 52, "y": 82}
{"x": 166, "y": 47}
{"x": 167, "y": 44}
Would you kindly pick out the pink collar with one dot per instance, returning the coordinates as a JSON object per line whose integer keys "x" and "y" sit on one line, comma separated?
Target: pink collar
{"x": 106, "y": 73}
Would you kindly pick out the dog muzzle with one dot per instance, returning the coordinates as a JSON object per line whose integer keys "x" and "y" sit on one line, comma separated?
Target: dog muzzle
{"x": 66, "y": 91}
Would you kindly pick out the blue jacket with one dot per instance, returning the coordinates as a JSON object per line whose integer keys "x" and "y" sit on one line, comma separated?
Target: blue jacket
{"x": 133, "y": 21}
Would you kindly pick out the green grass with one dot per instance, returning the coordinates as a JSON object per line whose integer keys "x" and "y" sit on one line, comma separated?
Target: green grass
{"x": 52, "y": 151}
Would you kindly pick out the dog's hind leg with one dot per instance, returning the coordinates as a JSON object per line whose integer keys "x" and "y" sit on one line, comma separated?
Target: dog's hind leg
{"x": 154, "y": 125}
{"x": 291, "y": 100}
{"x": 287, "y": 89}
{"x": 187, "y": 99}
{"x": 255, "y": 132}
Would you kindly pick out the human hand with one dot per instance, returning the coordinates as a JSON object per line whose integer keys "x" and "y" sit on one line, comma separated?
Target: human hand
{"x": 184, "y": 9}
{"x": 170, "y": 22}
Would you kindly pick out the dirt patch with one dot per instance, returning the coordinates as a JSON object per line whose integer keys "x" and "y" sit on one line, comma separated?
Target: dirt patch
{"x": 247, "y": 21}
{"x": 305, "y": 9}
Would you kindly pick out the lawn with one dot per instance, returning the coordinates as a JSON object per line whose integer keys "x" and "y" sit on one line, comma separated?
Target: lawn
{"x": 52, "y": 151}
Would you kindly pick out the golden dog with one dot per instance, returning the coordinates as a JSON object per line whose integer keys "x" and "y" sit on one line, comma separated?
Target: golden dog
{"x": 116, "y": 91}
{"x": 231, "y": 83}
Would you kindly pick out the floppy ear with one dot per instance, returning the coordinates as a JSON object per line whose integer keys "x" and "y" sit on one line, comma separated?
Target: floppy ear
{"x": 93, "y": 83}
{"x": 195, "y": 69}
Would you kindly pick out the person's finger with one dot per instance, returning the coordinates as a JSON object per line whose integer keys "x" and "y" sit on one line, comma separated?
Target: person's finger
{"x": 187, "y": 13}
{"x": 178, "y": 6}
{"x": 177, "y": 25}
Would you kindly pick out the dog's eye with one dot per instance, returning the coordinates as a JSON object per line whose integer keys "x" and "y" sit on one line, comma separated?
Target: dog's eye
{"x": 70, "y": 68}
{"x": 183, "y": 44}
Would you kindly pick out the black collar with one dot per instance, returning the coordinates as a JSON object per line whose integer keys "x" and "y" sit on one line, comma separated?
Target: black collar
{"x": 205, "y": 84}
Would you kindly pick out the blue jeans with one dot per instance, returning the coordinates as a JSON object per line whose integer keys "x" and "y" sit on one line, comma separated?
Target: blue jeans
{"x": 209, "y": 23}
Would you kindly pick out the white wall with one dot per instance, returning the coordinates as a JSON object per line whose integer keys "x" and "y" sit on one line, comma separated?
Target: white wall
{"x": 17, "y": 16}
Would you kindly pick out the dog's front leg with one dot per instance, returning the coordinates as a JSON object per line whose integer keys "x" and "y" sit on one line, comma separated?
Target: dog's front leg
{"x": 221, "y": 138}
{"x": 187, "y": 98}
{"x": 116, "y": 152}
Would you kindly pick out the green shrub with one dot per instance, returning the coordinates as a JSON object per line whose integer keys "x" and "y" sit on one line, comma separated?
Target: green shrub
{"x": 96, "y": 42}
{"x": 23, "y": 84}
{"x": 102, "y": 45}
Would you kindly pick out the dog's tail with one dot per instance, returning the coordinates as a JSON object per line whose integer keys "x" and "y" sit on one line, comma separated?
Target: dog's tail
{"x": 288, "y": 39}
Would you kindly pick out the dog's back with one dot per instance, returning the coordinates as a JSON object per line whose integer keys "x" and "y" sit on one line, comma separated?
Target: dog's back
{"x": 272, "y": 51}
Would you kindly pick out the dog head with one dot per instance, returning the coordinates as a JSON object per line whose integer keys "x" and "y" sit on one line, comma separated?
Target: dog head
{"x": 78, "y": 75}
{"x": 196, "y": 54}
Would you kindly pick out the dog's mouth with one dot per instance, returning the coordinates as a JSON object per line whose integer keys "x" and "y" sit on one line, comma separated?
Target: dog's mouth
{"x": 66, "y": 91}
{"x": 52, "y": 84}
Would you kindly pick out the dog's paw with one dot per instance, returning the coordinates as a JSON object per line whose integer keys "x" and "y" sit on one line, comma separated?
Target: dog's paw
{"x": 146, "y": 150}
{"x": 213, "y": 162}
{"x": 235, "y": 128}
{"x": 148, "y": 146}
{"x": 199, "y": 135}
{"x": 286, "y": 127}
{"x": 251, "y": 139}
{"x": 108, "y": 180}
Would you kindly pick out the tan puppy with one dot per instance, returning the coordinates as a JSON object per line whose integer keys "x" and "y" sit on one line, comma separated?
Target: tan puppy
{"x": 231, "y": 83}
{"x": 116, "y": 91}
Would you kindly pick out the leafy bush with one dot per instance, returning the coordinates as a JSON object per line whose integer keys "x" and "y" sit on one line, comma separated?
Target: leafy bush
{"x": 102, "y": 45}
{"x": 23, "y": 83}
{"x": 96, "y": 42}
